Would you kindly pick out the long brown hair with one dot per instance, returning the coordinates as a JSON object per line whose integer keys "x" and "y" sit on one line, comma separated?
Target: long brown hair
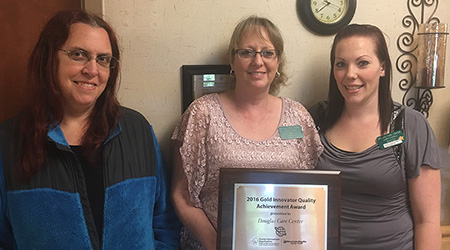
{"x": 45, "y": 109}
{"x": 335, "y": 98}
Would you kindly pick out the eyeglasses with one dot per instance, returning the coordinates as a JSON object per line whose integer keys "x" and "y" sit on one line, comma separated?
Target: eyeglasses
{"x": 267, "y": 54}
{"x": 82, "y": 56}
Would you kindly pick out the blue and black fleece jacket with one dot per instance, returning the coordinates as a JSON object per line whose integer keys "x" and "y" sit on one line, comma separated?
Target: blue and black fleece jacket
{"x": 51, "y": 211}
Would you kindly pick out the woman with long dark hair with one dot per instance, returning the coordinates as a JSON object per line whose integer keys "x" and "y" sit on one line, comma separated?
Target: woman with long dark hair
{"x": 77, "y": 170}
{"x": 386, "y": 152}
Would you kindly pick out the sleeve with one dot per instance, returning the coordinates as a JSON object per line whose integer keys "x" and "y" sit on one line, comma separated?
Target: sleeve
{"x": 6, "y": 235}
{"x": 191, "y": 132}
{"x": 166, "y": 226}
{"x": 421, "y": 147}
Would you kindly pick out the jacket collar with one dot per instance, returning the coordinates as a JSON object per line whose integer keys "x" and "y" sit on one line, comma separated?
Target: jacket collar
{"x": 55, "y": 134}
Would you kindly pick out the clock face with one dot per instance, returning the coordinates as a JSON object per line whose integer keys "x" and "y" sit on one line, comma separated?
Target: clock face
{"x": 329, "y": 11}
{"x": 326, "y": 17}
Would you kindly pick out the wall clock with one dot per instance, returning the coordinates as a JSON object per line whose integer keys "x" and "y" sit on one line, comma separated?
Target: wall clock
{"x": 326, "y": 17}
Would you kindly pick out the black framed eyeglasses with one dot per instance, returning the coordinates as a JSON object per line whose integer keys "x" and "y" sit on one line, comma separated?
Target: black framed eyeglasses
{"x": 82, "y": 56}
{"x": 267, "y": 54}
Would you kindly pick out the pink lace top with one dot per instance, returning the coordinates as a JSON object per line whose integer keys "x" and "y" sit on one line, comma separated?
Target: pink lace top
{"x": 209, "y": 143}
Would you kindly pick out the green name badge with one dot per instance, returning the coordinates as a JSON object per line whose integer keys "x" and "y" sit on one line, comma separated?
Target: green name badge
{"x": 391, "y": 139}
{"x": 291, "y": 132}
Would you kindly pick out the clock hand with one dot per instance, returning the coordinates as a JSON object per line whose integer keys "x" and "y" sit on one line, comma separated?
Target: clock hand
{"x": 319, "y": 10}
{"x": 335, "y": 5}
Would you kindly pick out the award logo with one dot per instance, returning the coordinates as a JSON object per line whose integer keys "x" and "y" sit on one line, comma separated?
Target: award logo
{"x": 280, "y": 231}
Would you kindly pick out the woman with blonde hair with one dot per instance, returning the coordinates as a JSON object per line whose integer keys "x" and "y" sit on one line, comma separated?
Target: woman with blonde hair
{"x": 241, "y": 128}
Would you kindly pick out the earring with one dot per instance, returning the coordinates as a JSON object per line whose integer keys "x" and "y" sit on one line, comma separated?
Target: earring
{"x": 232, "y": 73}
{"x": 278, "y": 74}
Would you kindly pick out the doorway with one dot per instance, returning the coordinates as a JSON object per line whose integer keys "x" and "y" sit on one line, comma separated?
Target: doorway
{"x": 20, "y": 25}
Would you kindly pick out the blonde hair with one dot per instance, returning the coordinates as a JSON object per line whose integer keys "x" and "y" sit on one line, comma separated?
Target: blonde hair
{"x": 275, "y": 38}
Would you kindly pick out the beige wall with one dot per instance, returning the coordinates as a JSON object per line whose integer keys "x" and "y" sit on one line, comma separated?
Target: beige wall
{"x": 159, "y": 36}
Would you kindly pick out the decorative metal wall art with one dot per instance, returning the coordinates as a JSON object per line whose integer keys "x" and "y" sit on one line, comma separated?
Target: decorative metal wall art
{"x": 420, "y": 97}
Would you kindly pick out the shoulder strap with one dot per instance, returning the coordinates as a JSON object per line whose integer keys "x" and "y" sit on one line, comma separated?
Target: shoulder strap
{"x": 398, "y": 123}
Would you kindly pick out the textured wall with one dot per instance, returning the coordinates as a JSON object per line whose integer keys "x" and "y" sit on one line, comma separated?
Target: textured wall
{"x": 159, "y": 36}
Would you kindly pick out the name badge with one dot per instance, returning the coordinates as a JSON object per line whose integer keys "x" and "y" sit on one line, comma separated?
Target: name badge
{"x": 291, "y": 132}
{"x": 391, "y": 139}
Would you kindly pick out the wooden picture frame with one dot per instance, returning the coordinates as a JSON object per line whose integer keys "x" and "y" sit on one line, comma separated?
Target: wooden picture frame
{"x": 199, "y": 80}
{"x": 249, "y": 216}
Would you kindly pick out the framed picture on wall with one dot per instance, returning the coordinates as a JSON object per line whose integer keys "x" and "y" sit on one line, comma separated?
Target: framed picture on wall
{"x": 199, "y": 80}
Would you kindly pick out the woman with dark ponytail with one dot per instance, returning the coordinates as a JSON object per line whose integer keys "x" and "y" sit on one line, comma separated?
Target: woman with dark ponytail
{"x": 386, "y": 152}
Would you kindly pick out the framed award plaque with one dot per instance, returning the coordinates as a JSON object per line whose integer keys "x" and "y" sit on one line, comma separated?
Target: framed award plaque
{"x": 278, "y": 209}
